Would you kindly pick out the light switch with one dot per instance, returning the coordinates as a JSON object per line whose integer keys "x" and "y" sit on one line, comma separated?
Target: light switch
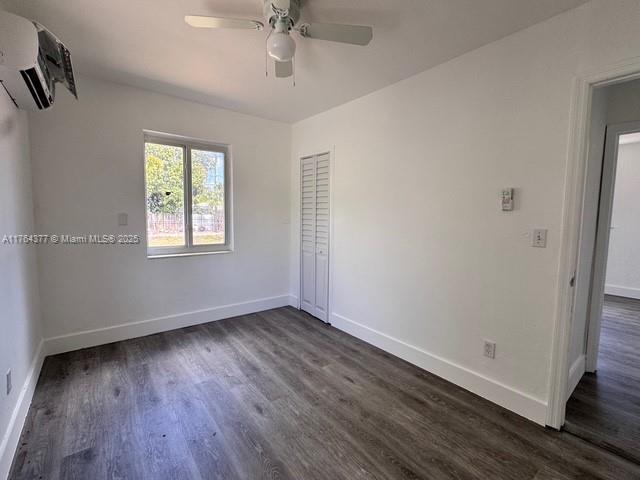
{"x": 539, "y": 239}
{"x": 123, "y": 219}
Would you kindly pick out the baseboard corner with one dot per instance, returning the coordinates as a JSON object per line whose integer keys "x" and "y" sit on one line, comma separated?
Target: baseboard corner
{"x": 293, "y": 301}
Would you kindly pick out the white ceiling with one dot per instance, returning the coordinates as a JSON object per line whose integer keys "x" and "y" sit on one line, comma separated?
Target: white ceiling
{"x": 146, "y": 43}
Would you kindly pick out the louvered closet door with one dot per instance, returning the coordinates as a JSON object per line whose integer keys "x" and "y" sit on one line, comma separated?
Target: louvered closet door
{"x": 308, "y": 237}
{"x": 322, "y": 237}
{"x": 315, "y": 236}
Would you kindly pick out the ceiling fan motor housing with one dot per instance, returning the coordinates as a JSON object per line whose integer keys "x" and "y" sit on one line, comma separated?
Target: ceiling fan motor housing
{"x": 271, "y": 17}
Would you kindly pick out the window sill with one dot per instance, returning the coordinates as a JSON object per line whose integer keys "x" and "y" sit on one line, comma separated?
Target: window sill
{"x": 152, "y": 256}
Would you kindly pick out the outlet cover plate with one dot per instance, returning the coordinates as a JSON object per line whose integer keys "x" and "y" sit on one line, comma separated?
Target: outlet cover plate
{"x": 489, "y": 349}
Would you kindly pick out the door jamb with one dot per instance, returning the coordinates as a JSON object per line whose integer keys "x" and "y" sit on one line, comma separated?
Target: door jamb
{"x": 574, "y": 183}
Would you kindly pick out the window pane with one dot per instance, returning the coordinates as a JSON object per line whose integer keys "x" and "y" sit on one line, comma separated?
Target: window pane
{"x": 208, "y": 210}
{"x": 165, "y": 195}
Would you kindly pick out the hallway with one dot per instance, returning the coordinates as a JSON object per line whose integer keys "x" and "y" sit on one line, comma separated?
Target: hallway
{"x": 605, "y": 406}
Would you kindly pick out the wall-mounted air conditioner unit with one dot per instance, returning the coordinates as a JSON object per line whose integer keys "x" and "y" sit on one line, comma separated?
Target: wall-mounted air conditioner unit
{"x": 32, "y": 62}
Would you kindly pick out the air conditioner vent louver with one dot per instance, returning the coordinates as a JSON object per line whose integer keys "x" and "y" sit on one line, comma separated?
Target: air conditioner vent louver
{"x": 35, "y": 86}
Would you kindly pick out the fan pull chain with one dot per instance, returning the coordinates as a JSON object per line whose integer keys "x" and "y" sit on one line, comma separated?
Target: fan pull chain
{"x": 266, "y": 55}
{"x": 293, "y": 60}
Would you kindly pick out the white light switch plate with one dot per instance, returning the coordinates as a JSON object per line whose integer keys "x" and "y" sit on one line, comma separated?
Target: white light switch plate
{"x": 539, "y": 238}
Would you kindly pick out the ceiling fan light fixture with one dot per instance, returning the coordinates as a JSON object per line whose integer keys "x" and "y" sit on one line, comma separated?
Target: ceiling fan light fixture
{"x": 281, "y": 47}
{"x": 281, "y": 17}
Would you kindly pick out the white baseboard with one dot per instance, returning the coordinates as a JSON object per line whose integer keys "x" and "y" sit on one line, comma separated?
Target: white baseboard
{"x": 293, "y": 301}
{"x": 11, "y": 437}
{"x": 519, "y": 402}
{"x": 125, "y": 331}
{"x": 576, "y": 371}
{"x": 620, "y": 291}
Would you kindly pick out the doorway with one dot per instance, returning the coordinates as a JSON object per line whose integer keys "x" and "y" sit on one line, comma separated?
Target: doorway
{"x": 315, "y": 211}
{"x": 604, "y": 405}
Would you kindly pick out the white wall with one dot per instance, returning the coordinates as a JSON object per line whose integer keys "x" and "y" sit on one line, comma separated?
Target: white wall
{"x": 88, "y": 167}
{"x": 20, "y": 315}
{"x": 623, "y": 261}
{"x": 424, "y": 263}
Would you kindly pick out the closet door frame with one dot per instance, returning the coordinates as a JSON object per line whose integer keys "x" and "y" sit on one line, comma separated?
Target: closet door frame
{"x": 315, "y": 152}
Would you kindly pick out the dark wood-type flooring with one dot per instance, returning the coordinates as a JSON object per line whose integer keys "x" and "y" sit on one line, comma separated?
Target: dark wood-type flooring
{"x": 278, "y": 395}
{"x": 605, "y": 406}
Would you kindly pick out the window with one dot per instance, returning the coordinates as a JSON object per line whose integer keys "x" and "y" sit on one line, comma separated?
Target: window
{"x": 187, "y": 195}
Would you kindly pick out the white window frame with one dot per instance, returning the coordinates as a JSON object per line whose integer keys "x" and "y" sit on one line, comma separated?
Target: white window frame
{"x": 189, "y": 144}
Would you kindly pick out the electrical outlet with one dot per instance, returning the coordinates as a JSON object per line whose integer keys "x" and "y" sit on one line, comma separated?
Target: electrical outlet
{"x": 489, "y": 349}
{"x": 9, "y": 386}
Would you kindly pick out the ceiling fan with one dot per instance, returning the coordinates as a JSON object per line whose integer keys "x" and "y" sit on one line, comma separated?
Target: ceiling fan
{"x": 282, "y": 17}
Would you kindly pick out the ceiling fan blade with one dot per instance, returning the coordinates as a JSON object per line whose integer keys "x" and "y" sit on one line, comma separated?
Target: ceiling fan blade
{"x": 353, "y": 34}
{"x": 284, "y": 69}
{"x": 219, "y": 22}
